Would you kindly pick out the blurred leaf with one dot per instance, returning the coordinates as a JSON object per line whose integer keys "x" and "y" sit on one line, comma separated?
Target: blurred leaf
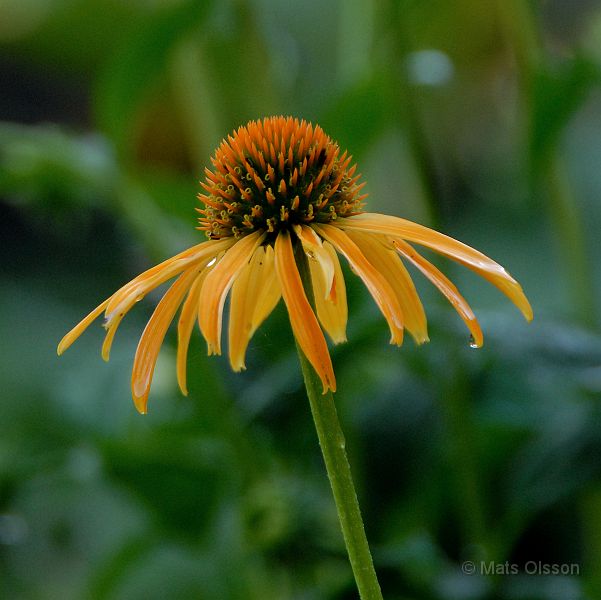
{"x": 136, "y": 65}
{"x": 359, "y": 114}
{"x": 67, "y": 36}
{"x": 106, "y": 578}
{"x": 56, "y": 170}
{"x": 46, "y": 166}
{"x": 179, "y": 476}
{"x": 557, "y": 95}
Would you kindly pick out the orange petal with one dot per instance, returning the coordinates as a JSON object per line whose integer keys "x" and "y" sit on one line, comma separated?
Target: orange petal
{"x": 217, "y": 285}
{"x": 153, "y": 336}
{"x": 313, "y": 247}
{"x": 375, "y": 282}
{"x": 110, "y": 336}
{"x": 331, "y": 306}
{"x": 123, "y": 299}
{"x": 184, "y": 329}
{"x": 385, "y": 259}
{"x": 447, "y": 288}
{"x": 132, "y": 292}
{"x": 304, "y": 323}
{"x": 396, "y": 227}
{"x": 80, "y": 328}
{"x": 255, "y": 294}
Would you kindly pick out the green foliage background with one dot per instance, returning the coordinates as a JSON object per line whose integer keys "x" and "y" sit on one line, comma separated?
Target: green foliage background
{"x": 481, "y": 118}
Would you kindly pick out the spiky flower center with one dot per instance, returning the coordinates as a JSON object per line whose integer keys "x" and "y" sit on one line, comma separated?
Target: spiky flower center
{"x": 274, "y": 173}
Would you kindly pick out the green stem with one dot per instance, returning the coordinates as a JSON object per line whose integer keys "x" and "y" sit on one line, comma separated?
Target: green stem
{"x": 331, "y": 440}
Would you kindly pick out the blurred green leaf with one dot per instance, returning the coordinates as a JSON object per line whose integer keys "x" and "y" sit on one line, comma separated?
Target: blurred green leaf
{"x": 55, "y": 170}
{"x": 359, "y": 114}
{"x": 181, "y": 487}
{"x": 557, "y": 95}
{"x": 135, "y": 66}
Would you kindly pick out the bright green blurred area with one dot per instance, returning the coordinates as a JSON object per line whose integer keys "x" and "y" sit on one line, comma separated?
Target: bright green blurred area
{"x": 480, "y": 118}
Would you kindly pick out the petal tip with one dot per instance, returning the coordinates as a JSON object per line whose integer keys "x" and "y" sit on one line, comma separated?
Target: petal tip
{"x": 141, "y": 404}
{"x": 328, "y": 386}
{"x": 139, "y": 394}
{"x": 396, "y": 339}
{"x": 476, "y": 341}
{"x": 212, "y": 350}
{"x": 64, "y": 345}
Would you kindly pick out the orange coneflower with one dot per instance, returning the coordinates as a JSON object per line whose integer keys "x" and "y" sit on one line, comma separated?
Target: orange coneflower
{"x": 280, "y": 186}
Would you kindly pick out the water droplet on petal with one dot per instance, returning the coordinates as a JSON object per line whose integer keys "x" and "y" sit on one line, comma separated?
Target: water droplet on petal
{"x": 472, "y": 342}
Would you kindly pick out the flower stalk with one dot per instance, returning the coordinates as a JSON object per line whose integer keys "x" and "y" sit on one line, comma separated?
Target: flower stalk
{"x": 333, "y": 448}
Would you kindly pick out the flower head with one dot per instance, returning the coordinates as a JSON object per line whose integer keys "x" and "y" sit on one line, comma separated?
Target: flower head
{"x": 280, "y": 187}
{"x": 274, "y": 174}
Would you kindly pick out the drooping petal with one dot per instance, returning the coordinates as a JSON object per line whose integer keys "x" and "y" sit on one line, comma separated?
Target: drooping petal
{"x": 313, "y": 247}
{"x": 255, "y": 294}
{"x": 124, "y": 298}
{"x": 302, "y": 319}
{"x": 70, "y": 337}
{"x": 447, "y": 288}
{"x": 381, "y": 254}
{"x": 117, "y": 306}
{"x": 110, "y": 336}
{"x": 217, "y": 285}
{"x": 332, "y": 310}
{"x": 376, "y": 283}
{"x": 396, "y": 227}
{"x": 152, "y": 338}
{"x": 185, "y": 325}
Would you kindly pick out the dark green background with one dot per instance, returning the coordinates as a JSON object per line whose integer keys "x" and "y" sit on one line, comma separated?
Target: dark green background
{"x": 481, "y": 118}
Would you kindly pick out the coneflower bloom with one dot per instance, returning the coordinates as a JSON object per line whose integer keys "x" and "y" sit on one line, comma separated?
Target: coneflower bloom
{"x": 280, "y": 186}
